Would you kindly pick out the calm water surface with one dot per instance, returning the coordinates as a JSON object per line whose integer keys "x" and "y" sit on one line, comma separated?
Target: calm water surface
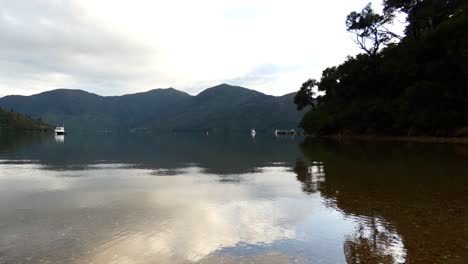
{"x": 191, "y": 198}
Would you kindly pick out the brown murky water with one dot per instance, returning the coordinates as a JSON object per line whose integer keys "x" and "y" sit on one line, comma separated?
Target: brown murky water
{"x": 230, "y": 199}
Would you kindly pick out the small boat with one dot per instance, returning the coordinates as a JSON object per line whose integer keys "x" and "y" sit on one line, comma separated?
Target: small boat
{"x": 253, "y": 132}
{"x": 285, "y": 132}
{"x": 59, "y": 130}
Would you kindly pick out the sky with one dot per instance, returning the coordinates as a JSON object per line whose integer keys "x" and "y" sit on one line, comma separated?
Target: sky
{"x": 114, "y": 47}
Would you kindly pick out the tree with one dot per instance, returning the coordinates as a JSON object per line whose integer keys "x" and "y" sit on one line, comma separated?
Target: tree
{"x": 370, "y": 29}
{"x": 415, "y": 87}
{"x": 425, "y": 14}
{"x": 306, "y": 95}
{"x": 391, "y": 6}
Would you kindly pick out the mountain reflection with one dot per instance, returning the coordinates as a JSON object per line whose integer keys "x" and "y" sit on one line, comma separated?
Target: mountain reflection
{"x": 220, "y": 154}
{"x": 230, "y": 199}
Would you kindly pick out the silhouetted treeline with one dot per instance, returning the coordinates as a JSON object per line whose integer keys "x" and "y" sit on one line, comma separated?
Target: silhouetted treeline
{"x": 415, "y": 84}
{"x": 13, "y": 121}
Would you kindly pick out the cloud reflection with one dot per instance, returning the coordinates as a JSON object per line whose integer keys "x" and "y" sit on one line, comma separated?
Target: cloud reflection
{"x": 116, "y": 213}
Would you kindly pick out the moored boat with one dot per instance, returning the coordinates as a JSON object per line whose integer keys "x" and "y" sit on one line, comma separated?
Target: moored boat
{"x": 285, "y": 132}
{"x": 60, "y": 130}
{"x": 253, "y": 132}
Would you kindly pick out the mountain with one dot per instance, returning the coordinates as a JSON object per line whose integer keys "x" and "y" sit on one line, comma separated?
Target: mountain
{"x": 223, "y": 107}
{"x": 136, "y": 108}
{"x": 12, "y": 121}
{"x": 80, "y": 110}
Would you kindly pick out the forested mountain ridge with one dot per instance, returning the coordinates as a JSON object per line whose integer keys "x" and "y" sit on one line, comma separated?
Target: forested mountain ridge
{"x": 223, "y": 107}
{"x": 411, "y": 85}
{"x": 12, "y": 121}
{"x": 227, "y": 108}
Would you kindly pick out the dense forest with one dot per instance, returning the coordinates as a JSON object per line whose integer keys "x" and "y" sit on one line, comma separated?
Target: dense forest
{"x": 13, "y": 121}
{"x": 410, "y": 85}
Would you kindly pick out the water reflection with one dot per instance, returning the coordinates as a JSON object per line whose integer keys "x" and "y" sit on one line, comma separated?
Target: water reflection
{"x": 11, "y": 142}
{"x": 417, "y": 191}
{"x": 231, "y": 199}
{"x": 103, "y": 216}
{"x": 374, "y": 243}
{"x": 59, "y": 138}
{"x": 218, "y": 154}
{"x": 311, "y": 176}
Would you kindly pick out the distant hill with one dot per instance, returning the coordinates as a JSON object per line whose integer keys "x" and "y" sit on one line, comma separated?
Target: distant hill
{"x": 223, "y": 107}
{"x": 10, "y": 120}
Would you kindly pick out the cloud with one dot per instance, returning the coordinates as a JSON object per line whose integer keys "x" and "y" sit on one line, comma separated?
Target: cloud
{"x": 59, "y": 46}
{"x": 115, "y": 47}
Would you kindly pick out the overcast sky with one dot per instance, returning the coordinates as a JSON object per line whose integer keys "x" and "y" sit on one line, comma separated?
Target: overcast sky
{"x": 113, "y": 47}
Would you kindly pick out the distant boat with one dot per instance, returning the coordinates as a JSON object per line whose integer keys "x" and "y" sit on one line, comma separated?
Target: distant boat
{"x": 253, "y": 132}
{"x": 60, "y": 130}
{"x": 285, "y": 132}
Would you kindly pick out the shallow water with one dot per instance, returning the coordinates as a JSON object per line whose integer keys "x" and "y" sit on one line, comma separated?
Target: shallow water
{"x": 189, "y": 198}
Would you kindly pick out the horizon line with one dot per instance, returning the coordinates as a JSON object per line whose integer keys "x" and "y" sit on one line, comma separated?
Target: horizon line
{"x": 83, "y": 90}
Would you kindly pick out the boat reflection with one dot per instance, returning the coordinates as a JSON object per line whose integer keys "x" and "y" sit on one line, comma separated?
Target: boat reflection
{"x": 59, "y": 138}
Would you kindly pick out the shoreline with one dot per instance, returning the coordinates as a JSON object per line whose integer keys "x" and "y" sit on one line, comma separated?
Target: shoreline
{"x": 415, "y": 139}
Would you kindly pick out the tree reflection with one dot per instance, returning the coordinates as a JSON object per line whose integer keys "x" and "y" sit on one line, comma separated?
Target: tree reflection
{"x": 407, "y": 199}
{"x": 372, "y": 243}
{"x": 311, "y": 175}
{"x": 11, "y": 141}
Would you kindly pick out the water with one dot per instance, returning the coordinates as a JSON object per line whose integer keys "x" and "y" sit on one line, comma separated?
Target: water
{"x": 189, "y": 198}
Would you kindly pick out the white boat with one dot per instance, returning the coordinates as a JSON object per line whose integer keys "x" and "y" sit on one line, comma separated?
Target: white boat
{"x": 60, "y": 130}
{"x": 285, "y": 132}
{"x": 253, "y": 132}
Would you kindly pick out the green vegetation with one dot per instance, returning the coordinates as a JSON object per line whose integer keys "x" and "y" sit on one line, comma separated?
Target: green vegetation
{"x": 12, "y": 121}
{"x": 222, "y": 108}
{"x": 414, "y": 85}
